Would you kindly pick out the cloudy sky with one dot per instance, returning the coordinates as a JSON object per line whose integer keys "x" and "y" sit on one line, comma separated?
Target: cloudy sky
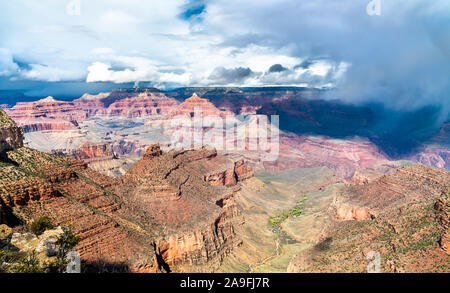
{"x": 400, "y": 57}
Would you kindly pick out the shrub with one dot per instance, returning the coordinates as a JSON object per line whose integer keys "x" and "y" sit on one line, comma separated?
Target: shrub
{"x": 26, "y": 265}
{"x": 40, "y": 225}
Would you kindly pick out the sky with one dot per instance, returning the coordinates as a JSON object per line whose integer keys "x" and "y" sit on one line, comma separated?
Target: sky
{"x": 399, "y": 56}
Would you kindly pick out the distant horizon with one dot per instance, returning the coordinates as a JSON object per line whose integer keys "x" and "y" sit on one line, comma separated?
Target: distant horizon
{"x": 23, "y": 93}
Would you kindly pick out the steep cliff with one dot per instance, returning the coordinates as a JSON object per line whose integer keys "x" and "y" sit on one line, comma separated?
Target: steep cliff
{"x": 194, "y": 217}
{"x": 11, "y": 136}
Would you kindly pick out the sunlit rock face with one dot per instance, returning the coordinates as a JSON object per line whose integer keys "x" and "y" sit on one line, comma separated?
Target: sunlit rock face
{"x": 47, "y": 114}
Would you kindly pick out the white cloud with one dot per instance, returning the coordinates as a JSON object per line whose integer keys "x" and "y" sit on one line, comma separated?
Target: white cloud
{"x": 7, "y": 64}
{"x": 49, "y": 73}
{"x": 405, "y": 49}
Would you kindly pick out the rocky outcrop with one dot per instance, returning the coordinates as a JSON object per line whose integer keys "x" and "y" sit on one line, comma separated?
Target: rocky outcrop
{"x": 44, "y": 245}
{"x": 230, "y": 175}
{"x": 152, "y": 151}
{"x": 197, "y": 215}
{"x": 344, "y": 212}
{"x": 11, "y": 136}
{"x": 242, "y": 170}
{"x": 222, "y": 178}
{"x": 89, "y": 152}
{"x": 189, "y": 107}
{"x": 21, "y": 192}
{"x": 442, "y": 208}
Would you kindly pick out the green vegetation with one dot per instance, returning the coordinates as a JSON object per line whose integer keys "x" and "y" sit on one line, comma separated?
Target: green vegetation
{"x": 5, "y": 120}
{"x": 296, "y": 211}
{"x": 40, "y": 225}
{"x": 26, "y": 265}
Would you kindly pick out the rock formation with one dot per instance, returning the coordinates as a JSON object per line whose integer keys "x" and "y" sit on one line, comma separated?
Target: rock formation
{"x": 11, "y": 136}
{"x": 195, "y": 103}
{"x": 442, "y": 208}
{"x": 89, "y": 152}
{"x": 124, "y": 118}
{"x": 127, "y": 103}
{"x": 152, "y": 151}
{"x": 47, "y": 114}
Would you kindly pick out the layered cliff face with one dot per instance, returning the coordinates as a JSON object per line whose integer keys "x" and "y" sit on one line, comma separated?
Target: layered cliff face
{"x": 89, "y": 152}
{"x": 127, "y": 103}
{"x": 195, "y": 216}
{"x": 163, "y": 213}
{"x": 195, "y": 103}
{"x": 345, "y": 157}
{"x": 47, "y": 114}
{"x": 400, "y": 216}
{"x": 11, "y": 136}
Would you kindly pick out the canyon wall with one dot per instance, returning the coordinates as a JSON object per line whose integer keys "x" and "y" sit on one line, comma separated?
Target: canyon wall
{"x": 11, "y": 136}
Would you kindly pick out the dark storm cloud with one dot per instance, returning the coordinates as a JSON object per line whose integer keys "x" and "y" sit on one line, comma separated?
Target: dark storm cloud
{"x": 221, "y": 75}
{"x": 400, "y": 58}
{"x": 277, "y": 68}
{"x": 305, "y": 64}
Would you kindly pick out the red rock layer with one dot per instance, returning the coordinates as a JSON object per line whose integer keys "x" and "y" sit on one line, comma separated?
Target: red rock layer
{"x": 89, "y": 152}
{"x": 127, "y": 103}
{"x": 195, "y": 103}
{"x": 47, "y": 114}
{"x": 21, "y": 192}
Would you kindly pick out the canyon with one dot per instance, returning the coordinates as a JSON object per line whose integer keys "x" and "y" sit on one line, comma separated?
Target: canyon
{"x": 123, "y": 169}
{"x": 129, "y": 120}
